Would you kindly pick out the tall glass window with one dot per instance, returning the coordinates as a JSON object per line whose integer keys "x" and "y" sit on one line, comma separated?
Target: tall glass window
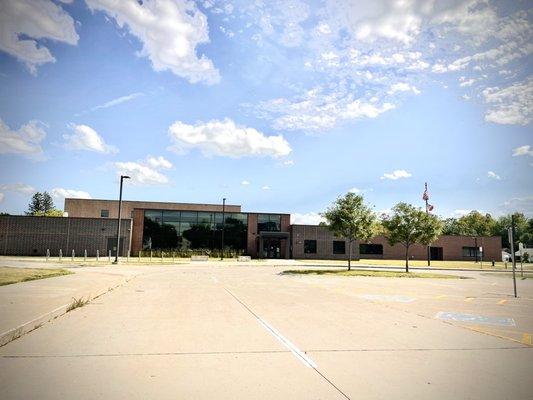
{"x": 269, "y": 223}
{"x": 166, "y": 229}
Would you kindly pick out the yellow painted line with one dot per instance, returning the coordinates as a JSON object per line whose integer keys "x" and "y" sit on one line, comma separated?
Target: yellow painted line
{"x": 499, "y": 336}
{"x": 526, "y": 339}
{"x": 502, "y": 301}
{"x": 469, "y": 299}
{"x": 440, "y": 296}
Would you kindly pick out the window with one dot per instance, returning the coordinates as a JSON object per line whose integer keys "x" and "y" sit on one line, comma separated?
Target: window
{"x": 375, "y": 249}
{"x": 268, "y": 223}
{"x": 104, "y": 213}
{"x": 310, "y": 246}
{"x": 470, "y": 252}
{"x": 339, "y": 247}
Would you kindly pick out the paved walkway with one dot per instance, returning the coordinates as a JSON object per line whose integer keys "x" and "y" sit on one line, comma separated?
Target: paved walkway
{"x": 208, "y": 332}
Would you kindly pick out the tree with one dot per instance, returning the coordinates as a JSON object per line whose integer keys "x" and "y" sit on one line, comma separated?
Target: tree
{"x": 41, "y": 204}
{"x": 476, "y": 224}
{"x": 351, "y": 219}
{"x": 523, "y": 229}
{"x": 451, "y": 226}
{"x": 409, "y": 225}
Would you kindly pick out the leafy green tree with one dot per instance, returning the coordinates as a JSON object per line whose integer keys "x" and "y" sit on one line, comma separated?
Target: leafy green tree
{"x": 351, "y": 219}
{"x": 4, "y": 214}
{"x": 523, "y": 229}
{"x": 409, "y": 225}
{"x": 41, "y": 204}
{"x": 451, "y": 226}
{"x": 476, "y": 224}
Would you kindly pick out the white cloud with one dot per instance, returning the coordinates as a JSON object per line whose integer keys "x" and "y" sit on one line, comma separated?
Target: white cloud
{"x": 520, "y": 204}
{"x": 355, "y": 190}
{"x": 2, "y": 197}
{"x": 18, "y": 188}
{"x": 461, "y": 212}
{"x": 466, "y": 82}
{"x": 310, "y": 218}
{"x": 26, "y": 23}
{"x": 26, "y": 140}
{"x": 144, "y": 172}
{"x": 245, "y": 183}
{"x": 403, "y": 87}
{"x": 493, "y": 175}
{"x": 266, "y": 187}
{"x": 169, "y": 31}
{"x": 523, "y": 151}
{"x": 288, "y": 163}
{"x": 158, "y": 162}
{"x": 396, "y": 174}
{"x": 84, "y": 137}
{"x": 225, "y": 138}
{"x": 510, "y": 105}
{"x": 119, "y": 100}
{"x": 61, "y": 194}
{"x": 315, "y": 110}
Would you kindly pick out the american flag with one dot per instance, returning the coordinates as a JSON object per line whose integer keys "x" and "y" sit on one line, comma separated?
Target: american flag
{"x": 425, "y": 196}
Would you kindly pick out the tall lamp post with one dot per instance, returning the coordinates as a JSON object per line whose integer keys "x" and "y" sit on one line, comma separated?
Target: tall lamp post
{"x": 223, "y": 228}
{"x": 122, "y": 177}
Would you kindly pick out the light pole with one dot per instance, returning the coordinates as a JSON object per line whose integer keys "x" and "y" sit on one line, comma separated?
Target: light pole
{"x": 122, "y": 177}
{"x": 223, "y": 228}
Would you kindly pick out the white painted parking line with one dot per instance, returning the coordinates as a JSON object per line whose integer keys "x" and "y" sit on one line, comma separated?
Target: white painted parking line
{"x": 384, "y": 297}
{"x": 475, "y": 319}
{"x": 288, "y": 344}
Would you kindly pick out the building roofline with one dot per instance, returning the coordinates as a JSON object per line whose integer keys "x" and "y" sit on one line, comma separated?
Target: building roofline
{"x": 150, "y": 201}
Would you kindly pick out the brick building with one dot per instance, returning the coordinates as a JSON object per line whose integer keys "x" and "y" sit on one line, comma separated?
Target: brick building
{"x": 91, "y": 225}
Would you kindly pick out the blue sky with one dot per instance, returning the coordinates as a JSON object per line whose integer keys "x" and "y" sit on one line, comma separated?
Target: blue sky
{"x": 275, "y": 105}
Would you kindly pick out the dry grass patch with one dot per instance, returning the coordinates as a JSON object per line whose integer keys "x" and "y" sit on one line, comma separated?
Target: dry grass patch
{"x": 358, "y": 272}
{"x": 9, "y": 275}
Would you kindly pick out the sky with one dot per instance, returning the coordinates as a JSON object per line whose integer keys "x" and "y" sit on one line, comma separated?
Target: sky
{"x": 280, "y": 106}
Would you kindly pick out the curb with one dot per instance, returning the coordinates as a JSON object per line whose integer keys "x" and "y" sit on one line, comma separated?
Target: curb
{"x": 15, "y": 333}
{"x": 517, "y": 270}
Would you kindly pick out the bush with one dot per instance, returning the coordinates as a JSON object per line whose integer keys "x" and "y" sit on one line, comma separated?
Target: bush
{"x": 180, "y": 253}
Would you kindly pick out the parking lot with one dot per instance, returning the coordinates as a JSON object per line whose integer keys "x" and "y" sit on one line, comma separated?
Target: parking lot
{"x": 226, "y": 332}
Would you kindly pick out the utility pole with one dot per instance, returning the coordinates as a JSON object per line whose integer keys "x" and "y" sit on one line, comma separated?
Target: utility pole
{"x": 223, "y": 228}
{"x": 122, "y": 177}
{"x": 511, "y": 241}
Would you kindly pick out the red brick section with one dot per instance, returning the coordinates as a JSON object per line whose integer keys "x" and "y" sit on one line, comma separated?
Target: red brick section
{"x": 251, "y": 247}
{"x": 452, "y": 248}
{"x": 138, "y": 228}
{"x": 285, "y": 227}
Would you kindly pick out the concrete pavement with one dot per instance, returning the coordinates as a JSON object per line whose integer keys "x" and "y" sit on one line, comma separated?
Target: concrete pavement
{"x": 208, "y": 332}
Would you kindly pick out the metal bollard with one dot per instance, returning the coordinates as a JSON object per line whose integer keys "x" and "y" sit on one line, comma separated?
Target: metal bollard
{"x": 109, "y": 255}
{"x": 139, "y": 255}
{"x": 47, "y": 254}
{"x": 173, "y": 257}
{"x": 128, "y": 257}
{"x": 85, "y": 255}
{"x": 73, "y": 255}
{"x": 161, "y": 255}
{"x": 60, "y": 255}
{"x": 97, "y": 255}
{"x": 150, "y": 255}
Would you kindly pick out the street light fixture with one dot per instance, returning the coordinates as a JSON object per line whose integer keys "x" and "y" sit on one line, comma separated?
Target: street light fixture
{"x": 223, "y": 228}
{"x": 122, "y": 177}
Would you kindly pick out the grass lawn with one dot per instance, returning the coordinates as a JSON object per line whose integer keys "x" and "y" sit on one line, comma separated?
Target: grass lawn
{"x": 527, "y": 275}
{"x": 10, "y": 275}
{"x": 416, "y": 263}
{"x": 359, "y": 272}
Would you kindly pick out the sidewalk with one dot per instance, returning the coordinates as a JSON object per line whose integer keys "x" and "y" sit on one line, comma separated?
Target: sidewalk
{"x": 26, "y": 305}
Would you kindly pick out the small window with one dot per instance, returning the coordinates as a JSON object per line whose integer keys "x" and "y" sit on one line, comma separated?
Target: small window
{"x": 470, "y": 252}
{"x": 366, "y": 248}
{"x": 104, "y": 213}
{"x": 310, "y": 246}
{"x": 339, "y": 247}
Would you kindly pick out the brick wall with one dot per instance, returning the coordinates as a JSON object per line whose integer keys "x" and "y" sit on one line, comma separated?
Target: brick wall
{"x": 32, "y": 236}
{"x": 324, "y": 245}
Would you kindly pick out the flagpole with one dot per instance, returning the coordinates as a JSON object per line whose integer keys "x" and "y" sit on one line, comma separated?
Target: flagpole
{"x": 427, "y": 212}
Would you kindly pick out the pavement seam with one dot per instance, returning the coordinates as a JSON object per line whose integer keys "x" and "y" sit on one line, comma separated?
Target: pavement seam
{"x": 311, "y": 365}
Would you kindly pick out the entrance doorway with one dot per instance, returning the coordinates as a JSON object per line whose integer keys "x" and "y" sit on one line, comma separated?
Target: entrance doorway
{"x": 435, "y": 253}
{"x": 271, "y": 248}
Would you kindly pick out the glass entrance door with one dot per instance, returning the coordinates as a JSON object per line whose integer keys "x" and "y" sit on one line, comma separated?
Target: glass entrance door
{"x": 271, "y": 248}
